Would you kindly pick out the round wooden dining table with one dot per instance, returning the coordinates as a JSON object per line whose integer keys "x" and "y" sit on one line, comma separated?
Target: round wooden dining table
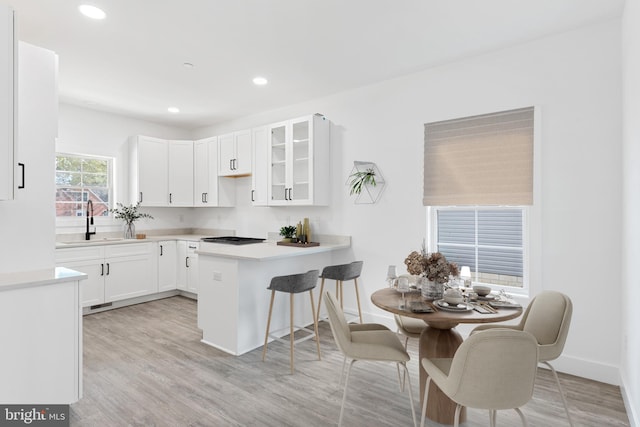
{"x": 438, "y": 340}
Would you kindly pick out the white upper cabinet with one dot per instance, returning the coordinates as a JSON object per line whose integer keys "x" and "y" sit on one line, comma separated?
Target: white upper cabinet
{"x": 180, "y": 173}
{"x": 209, "y": 189}
{"x": 260, "y": 171}
{"x": 149, "y": 171}
{"x": 7, "y": 103}
{"x": 299, "y": 162}
{"x": 161, "y": 172}
{"x": 234, "y": 153}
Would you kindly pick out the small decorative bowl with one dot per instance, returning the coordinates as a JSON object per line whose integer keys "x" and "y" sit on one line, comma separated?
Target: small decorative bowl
{"x": 453, "y": 300}
{"x": 481, "y": 290}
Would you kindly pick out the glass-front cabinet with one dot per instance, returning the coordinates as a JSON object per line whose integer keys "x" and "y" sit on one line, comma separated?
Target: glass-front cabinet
{"x": 299, "y": 161}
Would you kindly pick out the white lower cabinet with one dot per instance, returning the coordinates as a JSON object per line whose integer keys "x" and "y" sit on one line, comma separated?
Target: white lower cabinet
{"x": 167, "y": 265}
{"x": 116, "y": 272}
{"x": 188, "y": 266}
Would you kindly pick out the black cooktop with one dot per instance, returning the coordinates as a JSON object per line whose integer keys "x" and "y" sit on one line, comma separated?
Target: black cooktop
{"x": 232, "y": 240}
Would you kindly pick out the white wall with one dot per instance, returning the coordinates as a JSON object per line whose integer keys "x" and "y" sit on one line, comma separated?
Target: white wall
{"x": 98, "y": 133}
{"x": 575, "y": 80}
{"x": 630, "y": 370}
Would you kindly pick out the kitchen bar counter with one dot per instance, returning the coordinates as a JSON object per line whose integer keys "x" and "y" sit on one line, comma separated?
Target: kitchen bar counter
{"x": 233, "y": 300}
{"x": 269, "y": 250}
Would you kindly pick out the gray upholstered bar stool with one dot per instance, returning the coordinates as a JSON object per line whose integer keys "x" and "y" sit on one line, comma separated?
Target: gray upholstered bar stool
{"x": 293, "y": 284}
{"x": 341, "y": 273}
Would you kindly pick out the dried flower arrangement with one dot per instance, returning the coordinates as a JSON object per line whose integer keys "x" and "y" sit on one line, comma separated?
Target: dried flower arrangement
{"x": 434, "y": 266}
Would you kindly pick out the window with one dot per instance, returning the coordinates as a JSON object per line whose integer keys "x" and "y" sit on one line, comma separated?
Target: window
{"x": 473, "y": 166}
{"x": 82, "y": 178}
{"x": 489, "y": 240}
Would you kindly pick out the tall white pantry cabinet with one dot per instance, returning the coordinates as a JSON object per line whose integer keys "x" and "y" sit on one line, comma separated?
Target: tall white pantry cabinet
{"x": 40, "y": 315}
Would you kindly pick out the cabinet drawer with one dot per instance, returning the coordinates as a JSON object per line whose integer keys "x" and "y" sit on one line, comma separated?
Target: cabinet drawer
{"x": 79, "y": 254}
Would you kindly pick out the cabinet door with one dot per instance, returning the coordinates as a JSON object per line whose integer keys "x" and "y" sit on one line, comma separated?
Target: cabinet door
{"x": 242, "y": 165}
{"x": 260, "y": 171}
{"x": 226, "y": 154}
{"x": 91, "y": 289}
{"x": 128, "y": 277}
{"x": 180, "y": 173}
{"x": 7, "y": 103}
{"x": 201, "y": 171}
{"x": 278, "y": 153}
{"x": 181, "y": 250}
{"x": 300, "y": 179}
{"x": 152, "y": 171}
{"x": 192, "y": 267}
{"x": 167, "y": 265}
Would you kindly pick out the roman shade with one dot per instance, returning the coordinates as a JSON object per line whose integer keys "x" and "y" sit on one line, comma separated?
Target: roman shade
{"x": 480, "y": 160}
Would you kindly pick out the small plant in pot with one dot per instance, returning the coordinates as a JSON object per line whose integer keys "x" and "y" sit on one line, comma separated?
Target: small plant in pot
{"x": 288, "y": 233}
{"x": 359, "y": 179}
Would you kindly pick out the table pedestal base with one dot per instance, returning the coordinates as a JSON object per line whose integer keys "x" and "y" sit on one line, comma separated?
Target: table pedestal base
{"x": 438, "y": 343}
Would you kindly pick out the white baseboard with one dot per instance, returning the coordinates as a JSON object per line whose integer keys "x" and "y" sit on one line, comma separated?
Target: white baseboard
{"x": 634, "y": 417}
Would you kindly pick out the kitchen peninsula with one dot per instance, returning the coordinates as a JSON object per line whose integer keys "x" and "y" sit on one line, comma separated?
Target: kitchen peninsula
{"x": 233, "y": 300}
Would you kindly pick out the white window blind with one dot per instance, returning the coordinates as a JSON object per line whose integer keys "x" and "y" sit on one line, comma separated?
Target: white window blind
{"x": 480, "y": 160}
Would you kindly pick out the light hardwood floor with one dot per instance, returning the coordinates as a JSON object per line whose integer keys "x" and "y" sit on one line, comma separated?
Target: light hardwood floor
{"x": 144, "y": 365}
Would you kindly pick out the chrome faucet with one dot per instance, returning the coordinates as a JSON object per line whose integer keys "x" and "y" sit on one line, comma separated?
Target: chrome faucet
{"x": 87, "y": 235}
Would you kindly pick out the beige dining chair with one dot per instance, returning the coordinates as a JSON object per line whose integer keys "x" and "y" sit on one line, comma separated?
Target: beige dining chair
{"x": 492, "y": 370}
{"x": 409, "y": 327}
{"x": 547, "y": 318}
{"x": 366, "y": 341}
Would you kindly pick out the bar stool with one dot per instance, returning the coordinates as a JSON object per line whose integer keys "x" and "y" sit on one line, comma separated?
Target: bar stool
{"x": 340, "y": 273}
{"x": 293, "y": 284}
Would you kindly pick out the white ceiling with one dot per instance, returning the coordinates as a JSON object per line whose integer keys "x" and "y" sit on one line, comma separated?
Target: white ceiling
{"x": 131, "y": 62}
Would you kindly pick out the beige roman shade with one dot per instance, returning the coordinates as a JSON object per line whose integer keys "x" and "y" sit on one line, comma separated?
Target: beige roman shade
{"x": 480, "y": 160}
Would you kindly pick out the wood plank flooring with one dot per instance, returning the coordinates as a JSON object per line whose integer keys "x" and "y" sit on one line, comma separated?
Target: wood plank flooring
{"x": 144, "y": 365}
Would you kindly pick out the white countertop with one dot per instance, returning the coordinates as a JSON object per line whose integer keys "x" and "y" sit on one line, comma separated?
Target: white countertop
{"x": 119, "y": 241}
{"x": 270, "y": 250}
{"x": 26, "y": 279}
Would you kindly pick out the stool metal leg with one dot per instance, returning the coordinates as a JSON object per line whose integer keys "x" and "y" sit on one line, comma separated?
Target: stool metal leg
{"x": 355, "y": 281}
{"x": 341, "y": 295}
{"x": 266, "y": 334}
{"x": 315, "y": 323}
{"x": 291, "y": 340}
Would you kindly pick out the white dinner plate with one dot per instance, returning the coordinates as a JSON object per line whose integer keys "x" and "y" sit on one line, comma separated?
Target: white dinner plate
{"x": 452, "y": 307}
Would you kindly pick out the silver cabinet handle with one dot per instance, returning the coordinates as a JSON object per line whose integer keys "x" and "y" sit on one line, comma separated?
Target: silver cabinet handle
{"x": 186, "y": 262}
{"x": 161, "y": 250}
{"x": 102, "y": 269}
{"x": 140, "y": 197}
{"x": 107, "y": 269}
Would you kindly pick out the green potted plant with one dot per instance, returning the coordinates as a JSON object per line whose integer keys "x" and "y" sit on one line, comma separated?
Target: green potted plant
{"x": 288, "y": 232}
{"x": 129, "y": 214}
{"x": 359, "y": 179}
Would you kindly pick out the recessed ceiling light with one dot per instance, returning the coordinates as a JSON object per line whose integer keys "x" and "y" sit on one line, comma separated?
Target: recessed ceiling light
{"x": 260, "y": 81}
{"x": 92, "y": 11}
{"x": 174, "y": 110}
